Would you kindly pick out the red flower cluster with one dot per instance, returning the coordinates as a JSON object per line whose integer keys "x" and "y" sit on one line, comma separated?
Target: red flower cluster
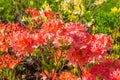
{"x": 38, "y": 16}
{"x": 32, "y": 11}
{"x": 3, "y": 45}
{"x": 108, "y": 69}
{"x": 35, "y": 15}
{"x": 86, "y": 48}
{"x": 21, "y": 42}
{"x": 48, "y": 14}
{"x": 9, "y": 61}
{"x": 67, "y": 76}
{"x": 46, "y": 75}
{"x": 53, "y": 30}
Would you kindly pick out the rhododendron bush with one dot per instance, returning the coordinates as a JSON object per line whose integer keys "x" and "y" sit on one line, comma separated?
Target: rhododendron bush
{"x": 55, "y": 50}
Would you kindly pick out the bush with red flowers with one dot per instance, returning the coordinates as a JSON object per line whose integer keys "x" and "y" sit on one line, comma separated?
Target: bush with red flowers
{"x": 55, "y": 51}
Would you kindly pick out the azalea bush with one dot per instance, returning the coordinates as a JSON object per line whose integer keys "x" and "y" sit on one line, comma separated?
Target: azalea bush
{"x": 47, "y": 48}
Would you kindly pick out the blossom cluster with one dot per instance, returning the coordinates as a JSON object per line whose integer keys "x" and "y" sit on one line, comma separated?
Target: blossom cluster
{"x": 87, "y": 48}
{"x": 108, "y": 69}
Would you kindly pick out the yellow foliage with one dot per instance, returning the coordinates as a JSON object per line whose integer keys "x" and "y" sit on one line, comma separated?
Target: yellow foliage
{"x": 46, "y": 6}
{"x": 79, "y": 7}
{"x": 31, "y": 2}
{"x": 76, "y": 2}
{"x": 65, "y": 5}
{"x": 115, "y": 10}
{"x": 116, "y": 47}
{"x": 99, "y": 2}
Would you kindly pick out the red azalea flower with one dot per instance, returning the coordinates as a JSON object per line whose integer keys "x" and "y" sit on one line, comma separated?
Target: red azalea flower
{"x": 115, "y": 75}
{"x": 48, "y": 14}
{"x": 3, "y": 44}
{"x": 67, "y": 76}
{"x": 52, "y": 76}
{"x": 75, "y": 28}
{"x": 37, "y": 38}
{"x": 35, "y": 15}
{"x": 87, "y": 48}
{"x": 33, "y": 12}
{"x": 21, "y": 42}
{"x": 107, "y": 69}
{"x": 9, "y": 62}
{"x": 52, "y": 25}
